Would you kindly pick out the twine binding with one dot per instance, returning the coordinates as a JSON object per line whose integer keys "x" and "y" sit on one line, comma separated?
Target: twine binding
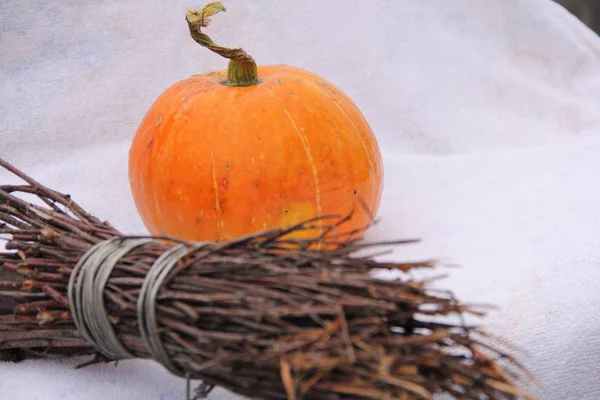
{"x": 86, "y": 295}
{"x": 86, "y": 300}
{"x": 146, "y": 305}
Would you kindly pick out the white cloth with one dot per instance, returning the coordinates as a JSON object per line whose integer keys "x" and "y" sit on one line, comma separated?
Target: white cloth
{"x": 487, "y": 113}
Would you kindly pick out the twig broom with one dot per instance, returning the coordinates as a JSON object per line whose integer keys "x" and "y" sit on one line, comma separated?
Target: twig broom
{"x": 264, "y": 316}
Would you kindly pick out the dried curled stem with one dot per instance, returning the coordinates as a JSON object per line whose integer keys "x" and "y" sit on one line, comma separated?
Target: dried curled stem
{"x": 242, "y": 70}
{"x": 264, "y": 316}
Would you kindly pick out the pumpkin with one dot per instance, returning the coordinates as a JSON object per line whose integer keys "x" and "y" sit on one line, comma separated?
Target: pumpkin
{"x": 229, "y": 153}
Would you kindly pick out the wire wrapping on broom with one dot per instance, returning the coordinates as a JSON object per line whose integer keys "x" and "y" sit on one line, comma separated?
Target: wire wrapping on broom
{"x": 146, "y": 307}
{"x": 86, "y": 295}
{"x": 86, "y": 298}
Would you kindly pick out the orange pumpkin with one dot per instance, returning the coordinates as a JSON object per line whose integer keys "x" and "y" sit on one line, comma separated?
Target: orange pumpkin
{"x": 234, "y": 152}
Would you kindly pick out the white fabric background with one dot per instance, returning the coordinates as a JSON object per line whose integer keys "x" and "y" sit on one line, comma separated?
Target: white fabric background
{"x": 487, "y": 112}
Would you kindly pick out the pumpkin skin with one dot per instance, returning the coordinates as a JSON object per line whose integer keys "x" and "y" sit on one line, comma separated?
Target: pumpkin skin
{"x": 211, "y": 162}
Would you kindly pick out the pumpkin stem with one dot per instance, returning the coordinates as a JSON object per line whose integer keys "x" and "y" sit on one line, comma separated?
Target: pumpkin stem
{"x": 242, "y": 68}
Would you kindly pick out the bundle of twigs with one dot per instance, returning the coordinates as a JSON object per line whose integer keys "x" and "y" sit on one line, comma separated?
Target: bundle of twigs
{"x": 264, "y": 316}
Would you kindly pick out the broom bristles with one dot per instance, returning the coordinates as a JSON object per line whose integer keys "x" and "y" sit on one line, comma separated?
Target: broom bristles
{"x": 265, "y": 316}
